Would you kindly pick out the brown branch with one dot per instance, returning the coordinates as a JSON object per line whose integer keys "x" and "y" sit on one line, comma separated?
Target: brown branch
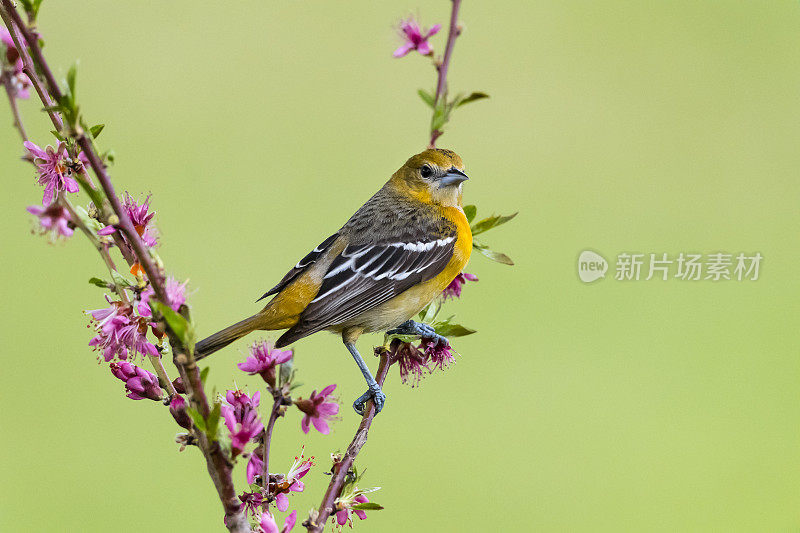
{"x": 441, "y": 84}
{"x": 219, "y": 468}
{"x": 341, "y": 468}
{"x": 273, "y": 416}
{"x": 14, "y": 24}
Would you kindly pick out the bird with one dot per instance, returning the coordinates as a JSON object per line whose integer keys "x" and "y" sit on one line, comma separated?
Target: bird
{"x": 397, "y": 253}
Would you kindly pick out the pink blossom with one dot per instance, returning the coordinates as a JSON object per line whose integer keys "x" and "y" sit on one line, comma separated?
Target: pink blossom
{"x": 255, "y": 466}
{"x": 54, "y": 219}
{"x": 411, "y": 361}
{"x": 344, "y": 515}
{"x": 241, "y": 418}
{"x": 141, "y": 217}
{"x": 415, "y": 360}
{"x": 291, "y": 482}
{"x": 253, "y": 502}
{"x": 454, "y": 289}
{"x": 177, "y": 408}
{"x": 318, "y": 410}
{"x": 268, "y": 525}
{"x": 415, "y": 38}
{"x": 264, "y": 357}
{"x": 139, "y": 383}
{"x": 55, "y": 169}
{"x": 176, "y": 292}
{"x": 119, "y": 332}
{"x": 438, "y": 352}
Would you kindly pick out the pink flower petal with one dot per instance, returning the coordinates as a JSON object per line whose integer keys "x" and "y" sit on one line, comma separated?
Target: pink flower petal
{"x": 288, "y": 524}
{"x": 268, "y": 524}
{"x": 328, "y": 409}
{"x": 321, "y": 425}
{"x": 434, "y": 30}
{"x": 304, "y": 424}
{"x": 282, "y": 501}
{"x": 403, "y": 50}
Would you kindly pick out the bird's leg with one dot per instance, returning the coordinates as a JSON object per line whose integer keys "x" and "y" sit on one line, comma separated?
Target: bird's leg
{"x": 374, "y": 391}
{"x": 409, "y": 327}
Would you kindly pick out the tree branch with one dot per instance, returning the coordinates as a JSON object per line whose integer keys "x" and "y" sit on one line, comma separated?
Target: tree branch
{"x": 441, "y": 84}
{"x": 341, "y": 468}
{"x": 273, "y": 416}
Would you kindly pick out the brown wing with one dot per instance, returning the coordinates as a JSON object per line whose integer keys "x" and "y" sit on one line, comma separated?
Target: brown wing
{"x": 367, "y": 275}
{"x": 301, "y": 265}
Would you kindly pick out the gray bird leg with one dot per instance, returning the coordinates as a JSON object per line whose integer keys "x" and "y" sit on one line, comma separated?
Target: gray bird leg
{"x": 409, "y": 327}
{"x": 374, "y": 391}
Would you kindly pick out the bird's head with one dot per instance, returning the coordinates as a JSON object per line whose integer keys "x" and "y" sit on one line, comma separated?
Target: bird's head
{"x": 433, "y": 176}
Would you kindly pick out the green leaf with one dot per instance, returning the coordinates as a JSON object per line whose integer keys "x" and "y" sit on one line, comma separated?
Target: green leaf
{"x": 212, "y": 423}
{"x": 452, "y": 330}
{"x": 366, "y": 506}
{"x": 470, "y": 211}
{"x": 286, "y": 371}
{"x": 179, "y": 325}
{"x": 488, "y": 223}
{"x": 430, "y": 312}
{"x": 57, "y": 135}
{"x": 494, "y": 256}
{"x": 403, "y": 338}
{"x": 440, "y": 116}
{"x": 196, "y": 418}
{"x": 204, "y": 374}
{"x": 71, "y": 75}
{"x": 121, "y": 281}
{"x": 96, "y": 129}
{"x": 457, "y": 100}
{"x": 426, "y": 97}
{"x": 471, "y": 98}
{"x": 57, "y": 108}
{"x": 99, "y": 282}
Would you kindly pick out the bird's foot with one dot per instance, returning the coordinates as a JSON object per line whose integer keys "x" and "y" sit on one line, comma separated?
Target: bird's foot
{"x": 410, "y": 327}
{"x": 375, "y": 394}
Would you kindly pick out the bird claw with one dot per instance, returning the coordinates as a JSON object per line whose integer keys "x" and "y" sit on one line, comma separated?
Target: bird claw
{"x": 375, "y": 394}
{"x": 410, "y": 327}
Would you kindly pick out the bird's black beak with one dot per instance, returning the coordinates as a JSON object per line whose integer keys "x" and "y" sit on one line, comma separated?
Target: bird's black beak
{"x": 453, "y": 177}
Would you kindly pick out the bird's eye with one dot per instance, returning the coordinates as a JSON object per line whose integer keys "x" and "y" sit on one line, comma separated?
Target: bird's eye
{"x": 426, "y": 171}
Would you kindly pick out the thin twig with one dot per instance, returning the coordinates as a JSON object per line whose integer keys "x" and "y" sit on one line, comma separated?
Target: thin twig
{"x": 12, "y": 102}
{"x": 273, "y": 416}
{"x": 441, "y": 84}
{"x": 14, "y": 25}
{"x": 219, "y": 468}
{"x": 326, "y": 508}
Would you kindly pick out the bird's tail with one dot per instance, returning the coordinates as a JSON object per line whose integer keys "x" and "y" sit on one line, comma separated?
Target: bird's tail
{"x": 221, "y": 339}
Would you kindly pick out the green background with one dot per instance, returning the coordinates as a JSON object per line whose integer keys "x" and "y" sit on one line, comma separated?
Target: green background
{"x": 259, "y": 127}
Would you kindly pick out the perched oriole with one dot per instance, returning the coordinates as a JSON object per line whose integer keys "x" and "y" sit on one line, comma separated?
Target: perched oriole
{"x": 395, "y": 254}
